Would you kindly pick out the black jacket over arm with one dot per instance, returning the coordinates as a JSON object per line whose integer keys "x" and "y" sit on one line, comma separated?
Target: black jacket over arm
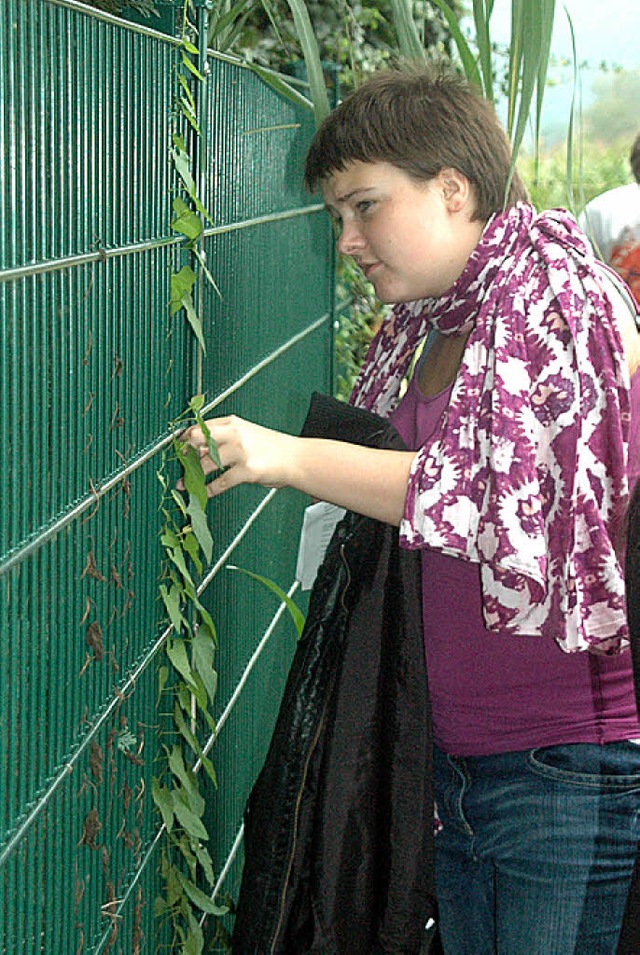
{"x": 339, "y": 824}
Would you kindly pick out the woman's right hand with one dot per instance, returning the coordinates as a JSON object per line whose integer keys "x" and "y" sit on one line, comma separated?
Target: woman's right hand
{"x": 248, "y": 452}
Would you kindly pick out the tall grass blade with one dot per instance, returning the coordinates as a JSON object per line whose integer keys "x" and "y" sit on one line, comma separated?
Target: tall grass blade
{"x": 516, "y": 47}
{"x": 296, "y": 614}
{"x": 266, "y": 5}
{"x": 221, "y": 23}
{"x": 571, "y": 130}
{"x": 280, "y": 85}
{"x": 528, "y": 67}
{"x": 465, "y": 52}
{"x": 548, "y": 13}
{"x": 481, "y": 16}
{"x": 409, "y": 42}
{"x": 311, "y": 53}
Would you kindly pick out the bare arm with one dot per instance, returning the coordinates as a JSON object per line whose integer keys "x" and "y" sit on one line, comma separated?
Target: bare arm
{"x": 367, "y": 480}
{"x": 628, "y": 329}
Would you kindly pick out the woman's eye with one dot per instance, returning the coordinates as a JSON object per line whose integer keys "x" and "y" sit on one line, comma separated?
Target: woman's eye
{"x": 364, "y": 206}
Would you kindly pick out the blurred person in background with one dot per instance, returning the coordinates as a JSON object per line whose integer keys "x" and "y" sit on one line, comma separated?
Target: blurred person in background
{"x": 612, "y": 220}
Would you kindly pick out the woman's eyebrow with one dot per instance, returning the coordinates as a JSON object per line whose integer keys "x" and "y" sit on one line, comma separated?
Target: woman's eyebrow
{"x": 349, "y": 195}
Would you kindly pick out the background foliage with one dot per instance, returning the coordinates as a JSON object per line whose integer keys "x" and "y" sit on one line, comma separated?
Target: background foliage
{"x": 359, "y": 37}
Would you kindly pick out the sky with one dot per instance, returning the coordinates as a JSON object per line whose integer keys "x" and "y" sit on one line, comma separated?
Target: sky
{"x": 605, "y": 30}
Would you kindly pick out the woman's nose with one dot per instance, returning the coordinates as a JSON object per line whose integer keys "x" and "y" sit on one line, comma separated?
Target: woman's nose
{"x": 350, "y": 240}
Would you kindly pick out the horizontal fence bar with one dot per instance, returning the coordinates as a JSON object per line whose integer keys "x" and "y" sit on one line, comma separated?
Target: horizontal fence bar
{"x": 265, "y": 361}
{"x": 101, "y": 255}
{"x": 40, "y": 537}
{"x": 114, "y": 20}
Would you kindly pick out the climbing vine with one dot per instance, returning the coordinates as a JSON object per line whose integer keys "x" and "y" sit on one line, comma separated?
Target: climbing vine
{"x": 187, "y": 678}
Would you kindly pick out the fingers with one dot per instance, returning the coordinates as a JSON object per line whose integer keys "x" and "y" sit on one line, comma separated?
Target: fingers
{"x": 227, "y": 435}
{"x": 249, "y": 453}
{"x": 197, "y": 439}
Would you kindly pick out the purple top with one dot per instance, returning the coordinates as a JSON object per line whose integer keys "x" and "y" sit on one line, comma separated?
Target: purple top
{"x": 493, "y": 692}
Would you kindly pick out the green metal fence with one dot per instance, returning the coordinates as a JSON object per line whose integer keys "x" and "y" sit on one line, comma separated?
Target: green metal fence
{"x": 92, "y": 370}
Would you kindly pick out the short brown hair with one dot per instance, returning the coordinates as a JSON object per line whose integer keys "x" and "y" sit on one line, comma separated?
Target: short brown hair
{"x": 421, "y": 119}
{"x": 634, "y": 158}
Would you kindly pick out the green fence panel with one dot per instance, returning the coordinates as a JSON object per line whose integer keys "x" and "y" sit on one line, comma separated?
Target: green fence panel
{"x": 92, "y": 372}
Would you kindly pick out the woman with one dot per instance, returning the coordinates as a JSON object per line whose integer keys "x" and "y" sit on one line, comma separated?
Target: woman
{"x": 520, "y": 413}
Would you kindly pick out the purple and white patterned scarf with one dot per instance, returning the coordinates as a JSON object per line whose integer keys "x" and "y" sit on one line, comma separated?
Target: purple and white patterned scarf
{"x": 527, "y": 473}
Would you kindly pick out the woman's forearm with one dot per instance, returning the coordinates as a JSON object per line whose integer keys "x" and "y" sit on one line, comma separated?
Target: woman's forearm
{"x": 367, "y": 480}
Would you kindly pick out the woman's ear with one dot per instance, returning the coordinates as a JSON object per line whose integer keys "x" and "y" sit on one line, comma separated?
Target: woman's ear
{"x": 456, "y": 189}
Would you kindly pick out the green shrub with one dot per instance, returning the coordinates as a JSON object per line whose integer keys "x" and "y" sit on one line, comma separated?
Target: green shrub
{"x": 603, "y": 168}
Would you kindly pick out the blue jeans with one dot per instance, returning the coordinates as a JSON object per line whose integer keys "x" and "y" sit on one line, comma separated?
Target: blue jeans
{"x": 537, "y": 849}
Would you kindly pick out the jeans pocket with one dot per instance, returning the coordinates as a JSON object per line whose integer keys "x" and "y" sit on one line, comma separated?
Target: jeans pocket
{"x": 612, "y": 766}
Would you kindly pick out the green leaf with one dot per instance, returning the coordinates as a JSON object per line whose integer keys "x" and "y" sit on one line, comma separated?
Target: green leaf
{"x": 307, "y": 39}
{"x": 194, "y": 320}
{"x": 187, "y": 92}
{"x": 174, "y": 889}
{"x": 182, "y": 283}
{"x": 205, "y": 271}
{"x": 192, "y": 547}
{"x": 200, "y": 527}
{"x": 275, "y": 81}
{"x": 185, "y": 731}
{"x": 182, "y": 164}
{"x": 177, "y": 766}
{"x": 206, "y": 622}
{"x": 481, "y": 20}
{"x": 207, "y": 765}
{"x": 164, "y": 801}
{"x": 171, "y": 600}
{"x": 198, "y": 691}
{"x": 203, "y": 657}
{"x": 197, "y": 403}
{"x": 212, "y": 447}
{"x": 548, "y": 14}
{"x": 465, "y": 53}
{"x": 176, "y": 555}
{"x": 191, "y": 824}
{"x": 163, "y": 676}
{"x": 189, "y": 115}
{"x": 185, "y": 845}
{"x": 411, "y": 47}
{"x": 179, "y": 500}
{"x": 190, "y": 65}
{"x": 570, "y": 136}
{"x": 202, "y": 855}
{"x": 177, "y": 653}
{"x": 222, "y": 22}
{"x": 186, "y": 222}
{"x": 194, "y": 477}
{"x": 189, "y": 47}
{"x": 528, "y": 64}
{"x": 200, "y": 899}
{"x": 194, "y": 941}
{"x": 296, "y": 614}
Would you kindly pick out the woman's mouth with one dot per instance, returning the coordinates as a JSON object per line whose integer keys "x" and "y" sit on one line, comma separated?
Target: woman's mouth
{"x": 368, "y": 268}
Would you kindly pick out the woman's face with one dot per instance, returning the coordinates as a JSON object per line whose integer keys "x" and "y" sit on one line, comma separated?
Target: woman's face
{"x": 411, "y": 239}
